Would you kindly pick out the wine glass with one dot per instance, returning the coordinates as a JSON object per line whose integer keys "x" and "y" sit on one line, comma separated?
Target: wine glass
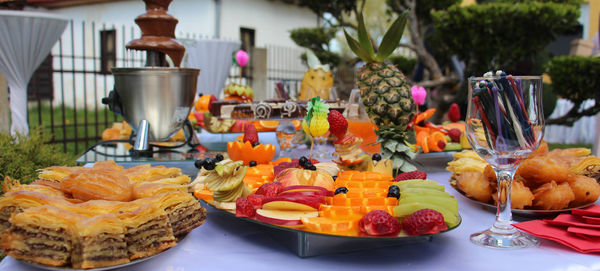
{"x": 504, "y": 124}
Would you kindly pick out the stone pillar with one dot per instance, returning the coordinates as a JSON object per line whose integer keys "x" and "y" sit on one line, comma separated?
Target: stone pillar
{"x": 4, "y": 106}
{"x": 259, "y": 73}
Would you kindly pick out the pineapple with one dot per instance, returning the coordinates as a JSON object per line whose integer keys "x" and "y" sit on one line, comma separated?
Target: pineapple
{"x": 385, "y": 93}
{"x": 317, "y": 80}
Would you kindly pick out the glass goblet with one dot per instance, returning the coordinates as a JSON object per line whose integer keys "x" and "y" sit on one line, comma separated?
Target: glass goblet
{"x": 504, "y": 124}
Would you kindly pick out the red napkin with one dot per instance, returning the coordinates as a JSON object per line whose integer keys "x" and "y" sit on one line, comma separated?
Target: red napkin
{"x": 571, "y": 220}
{"x": 591, "y": 219}
{"x": 584, "y": 231}
{"x": 592, "y": 210}
{"x": 542, "y": 229}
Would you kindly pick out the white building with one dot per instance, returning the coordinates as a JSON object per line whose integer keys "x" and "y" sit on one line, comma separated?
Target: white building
{"x": 271, "y": 20}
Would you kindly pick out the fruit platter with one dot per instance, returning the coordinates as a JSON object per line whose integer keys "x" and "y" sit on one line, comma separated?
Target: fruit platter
{"x": 546, "y": 183}
{"x": 354, "y": 197}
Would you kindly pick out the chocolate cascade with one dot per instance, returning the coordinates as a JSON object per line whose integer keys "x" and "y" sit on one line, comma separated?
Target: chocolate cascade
{"x": 158, "y": 35}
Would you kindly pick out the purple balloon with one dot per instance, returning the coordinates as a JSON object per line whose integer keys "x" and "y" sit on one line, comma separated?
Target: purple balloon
{"x": 242, "y": 58}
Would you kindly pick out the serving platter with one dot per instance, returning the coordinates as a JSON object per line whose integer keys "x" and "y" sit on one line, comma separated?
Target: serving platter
{"x": 308, "y": 244}
{"x": 523, "y": 212}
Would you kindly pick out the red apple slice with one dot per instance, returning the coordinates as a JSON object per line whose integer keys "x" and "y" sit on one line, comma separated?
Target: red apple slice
{"x": 294, "y": 188}
{"x": 293, "y": 202}
{"x": 284, "y": 218}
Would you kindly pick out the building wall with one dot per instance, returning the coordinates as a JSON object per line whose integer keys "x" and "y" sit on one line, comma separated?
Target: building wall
{"x": 272, "y": 20}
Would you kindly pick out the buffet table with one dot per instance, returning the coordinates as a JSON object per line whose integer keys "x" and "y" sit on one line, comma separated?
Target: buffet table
{"x": 225, "y": 243}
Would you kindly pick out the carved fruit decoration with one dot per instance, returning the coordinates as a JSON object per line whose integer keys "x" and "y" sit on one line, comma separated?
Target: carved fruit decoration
{"x": 317, "y": 80}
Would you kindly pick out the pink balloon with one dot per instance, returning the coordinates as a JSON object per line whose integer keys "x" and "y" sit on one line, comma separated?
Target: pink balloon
{"x": 419, "y": 94}
{"x": 242, "y": 58}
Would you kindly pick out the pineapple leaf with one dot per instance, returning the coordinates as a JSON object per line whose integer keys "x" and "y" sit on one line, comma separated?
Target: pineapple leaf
{"x": 408, "y": 167}
{"x": 392, "y": 37}
{"x": 311, "y": 59}
{"x": 402, "y": 148}
{"x": 363, "y": 37}
{"x": 397, "y": 162}
{"x": 391, "y": 145}
{"x": 355, "y": 47}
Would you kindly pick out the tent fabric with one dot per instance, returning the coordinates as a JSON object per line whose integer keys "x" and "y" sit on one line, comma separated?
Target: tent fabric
{"x": 214, "y": 59}
{"x": 26, "y": 38}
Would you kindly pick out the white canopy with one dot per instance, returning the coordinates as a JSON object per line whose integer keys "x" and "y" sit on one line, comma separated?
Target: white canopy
{"x": 214, "y": 59}
{"x": 25, "y": 40}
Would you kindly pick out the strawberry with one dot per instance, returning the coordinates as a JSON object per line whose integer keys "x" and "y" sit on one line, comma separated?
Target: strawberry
{"x": 269, "y": 189}
{"x": 454, "y": 134}
{"x": 338, "y": 125}
{"x": 441, "y": 144}
{"x": 243, "y": 208}
{"x": 411, "y": 176}
{"x": 454, "y": 113}
{"x": 424, "y": 221}
{"x": 250, "y": 134}
{"x": 255, "y": 200}
{"x": 379, "y": 222}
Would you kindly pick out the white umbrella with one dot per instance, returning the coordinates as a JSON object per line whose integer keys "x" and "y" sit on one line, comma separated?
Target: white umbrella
{"x": 214, "y": 59}
{"x": 25, "y": 40}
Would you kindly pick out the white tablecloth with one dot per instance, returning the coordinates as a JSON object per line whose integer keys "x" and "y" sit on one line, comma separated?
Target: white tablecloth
{"x": 224, "y": 243}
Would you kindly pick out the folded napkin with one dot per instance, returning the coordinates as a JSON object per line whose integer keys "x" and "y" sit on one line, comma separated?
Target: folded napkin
{"x": 584, "y": 231}
{"x": 579, "y": 230}
{"x": 592, "y": 210}
{"x": 571, "y": 220}
{"x": 542, "y": 229}
{"x": 591, "y": 219}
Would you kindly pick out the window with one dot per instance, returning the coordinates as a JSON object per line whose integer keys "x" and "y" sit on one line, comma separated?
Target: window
{"x": 108, "y": 53}
{"x": 247, "y": 38}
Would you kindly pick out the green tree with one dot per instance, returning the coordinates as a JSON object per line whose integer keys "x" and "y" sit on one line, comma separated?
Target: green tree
{"x": 577, "y": 79}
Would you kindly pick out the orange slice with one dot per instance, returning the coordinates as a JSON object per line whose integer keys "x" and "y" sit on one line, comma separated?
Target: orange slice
{"x": 422, "y": 139}
{"x": 387, "y": 208}
{"x": 348, "y": 227}
{"x": 433, "y": 139}
{"x": 339, "y": 212}
{"x": 266, "y": 125}
{"x": 204, "y": 195}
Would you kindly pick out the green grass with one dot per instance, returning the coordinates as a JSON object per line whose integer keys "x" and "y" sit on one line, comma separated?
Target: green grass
{"x": 74, "y": 132}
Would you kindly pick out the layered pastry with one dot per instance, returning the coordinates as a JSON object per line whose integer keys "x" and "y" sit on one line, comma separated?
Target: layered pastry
{"x": 147, "y": 173}
{"x": 42, "y": 234}
{"x": 17, "y": 201}
{"x": 99, "y": 241}
{"x": 183, "y": 210}
{"x": 145, "y": 190}
{"x": 147, "y": 229}
{"x": 96, "y": 217}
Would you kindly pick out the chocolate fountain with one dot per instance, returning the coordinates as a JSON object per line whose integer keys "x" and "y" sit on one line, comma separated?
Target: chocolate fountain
{"x": 155, "y": 100}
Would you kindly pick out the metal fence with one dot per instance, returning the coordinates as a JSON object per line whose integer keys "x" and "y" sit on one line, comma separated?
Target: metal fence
{"x": 66, "y": 91}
